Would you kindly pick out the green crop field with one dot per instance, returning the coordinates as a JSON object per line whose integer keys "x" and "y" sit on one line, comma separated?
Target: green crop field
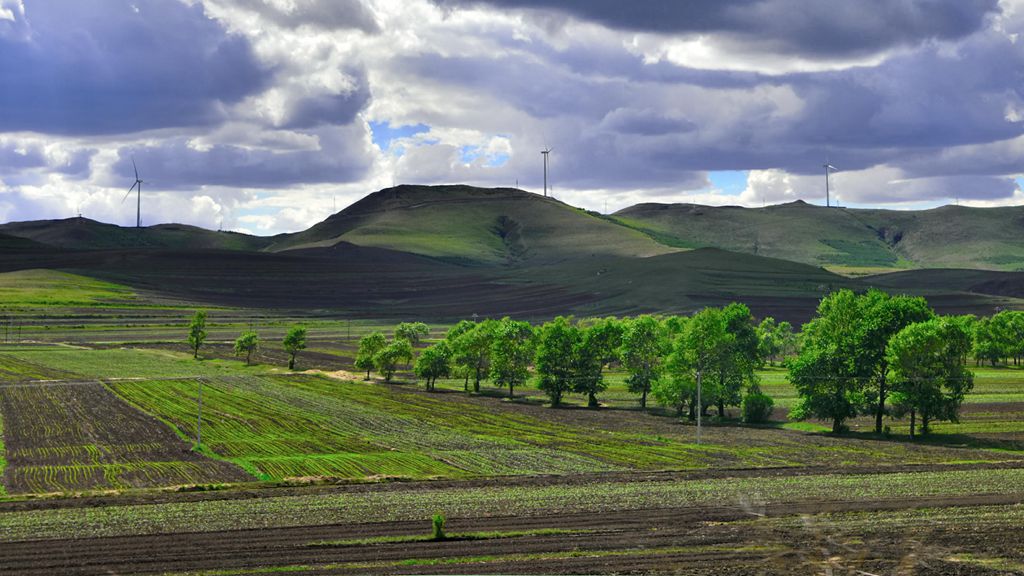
{"x": 51, "y": 288}
{"x": 467, "y": 501}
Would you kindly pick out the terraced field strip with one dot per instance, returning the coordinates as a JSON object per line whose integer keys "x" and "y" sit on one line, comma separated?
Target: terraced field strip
{"x": 124, "y": 363}
{"x": 71, "y": 437}
{"x": 417, "y": 502}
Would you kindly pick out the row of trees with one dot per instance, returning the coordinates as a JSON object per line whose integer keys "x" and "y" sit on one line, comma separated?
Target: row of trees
{"x": 248, "y": 342}
{"x": 663, "y": 357}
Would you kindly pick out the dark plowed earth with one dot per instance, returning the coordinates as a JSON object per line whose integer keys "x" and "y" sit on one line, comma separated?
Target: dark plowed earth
{"x": 65, "y": 437}
{"x": 717, "y": 540}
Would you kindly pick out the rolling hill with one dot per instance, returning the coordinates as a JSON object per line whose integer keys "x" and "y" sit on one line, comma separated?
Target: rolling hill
{"x": 475, "y": 226}
{"x": 86, "y": 234}
{"x": 946, "y": 237}
{"x": 447, "y": 252}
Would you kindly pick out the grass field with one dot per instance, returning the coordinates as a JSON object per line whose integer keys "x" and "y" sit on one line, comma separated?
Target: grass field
{"x": 51, "y": 288}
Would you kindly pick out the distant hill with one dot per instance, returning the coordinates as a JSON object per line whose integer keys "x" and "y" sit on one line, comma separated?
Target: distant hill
{"x": 477, "y": 226}
{"x": 947, "y": 237}
{"x": 86, "y": 234}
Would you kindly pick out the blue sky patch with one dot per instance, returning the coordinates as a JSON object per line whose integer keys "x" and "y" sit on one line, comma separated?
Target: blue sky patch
{"x": 732, "y": 182}
{"x": 383, "y": 133}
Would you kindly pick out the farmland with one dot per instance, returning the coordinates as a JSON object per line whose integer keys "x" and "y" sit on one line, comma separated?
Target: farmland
{"x": 321, "y": 471}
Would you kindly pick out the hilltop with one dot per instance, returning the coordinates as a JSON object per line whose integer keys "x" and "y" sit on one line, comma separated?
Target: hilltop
{"x": 454, "y": 251}
{"x": 946, "y": 237}
{"x": 475, "y": 226}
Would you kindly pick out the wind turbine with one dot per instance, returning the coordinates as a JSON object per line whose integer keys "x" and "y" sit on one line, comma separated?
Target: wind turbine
{"x": 828, "y": 168}
{"x": 545, "y": 152}
{"x": 138, "y": 199}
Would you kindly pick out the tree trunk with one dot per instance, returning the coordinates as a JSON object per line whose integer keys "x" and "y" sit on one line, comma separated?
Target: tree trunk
{"x": 837, "y": 425}
{"x": 693, "y": 409}
{"x": 721, "y": 409}
{"x": 291, "y": 362}
{"x": 880, "y": 410}
{"x": 367, "y": 373}
{"x": 248, "y": 358}
{"x": 511, "y": 393}
{"x": 925, "y": 421}
{"x": 913, "y": 422}
{"x": 592, "y": 400}
{"x": 643, "y": 400}
{"x": 476, "y": 381}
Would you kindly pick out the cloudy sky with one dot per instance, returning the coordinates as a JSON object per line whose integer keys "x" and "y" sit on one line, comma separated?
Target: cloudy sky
{"x": 267, "y": 115}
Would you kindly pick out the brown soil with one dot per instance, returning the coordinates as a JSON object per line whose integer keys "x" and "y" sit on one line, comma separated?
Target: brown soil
{"x": 66, "y": 437}
{"x": 721, "y": 539}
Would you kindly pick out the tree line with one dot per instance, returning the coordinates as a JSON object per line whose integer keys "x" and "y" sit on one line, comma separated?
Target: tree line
{"x": 862, "y": 354}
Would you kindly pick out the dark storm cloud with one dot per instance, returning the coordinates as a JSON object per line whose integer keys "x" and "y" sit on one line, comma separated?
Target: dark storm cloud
{"x": 322, "y": 14}
{"x": 811, "y": 28}
{"x": 173, "y": 164}
{"x": 337, "y": 109}
{"x": 111, "y": 66}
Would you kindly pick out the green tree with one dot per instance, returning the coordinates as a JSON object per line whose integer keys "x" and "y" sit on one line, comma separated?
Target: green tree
{"x": 460, "y": 361}
{"x": 294, "y": 342}
{"x": 511, "y": 353}
{"x": 882, "y": 317}
{"x": 472, "y": 350}
{"x": 411, "y": 331}
{"x": 988, "y": 346}
{"x": 735, "y": 369}
{"x": 825, "y": 373}
{"x": 705, "y": 347}
{"x": 555, "y": 362}
{"x": 369, "y": 346}
{"x": 786, "y": 339}
{"x": 433, "y": 363}
{"x": 387, "y": 360}
{"x": 768, "y": 345}
{"x": 598, "y": 345}
{"x": 197, "y": 332}
{"x": 929, "y": 379}
{"x": 643, "y": 351}
{"x": 247, "y": 344}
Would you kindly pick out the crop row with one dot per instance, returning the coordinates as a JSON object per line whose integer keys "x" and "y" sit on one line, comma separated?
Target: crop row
{"x": 419, "y": 502}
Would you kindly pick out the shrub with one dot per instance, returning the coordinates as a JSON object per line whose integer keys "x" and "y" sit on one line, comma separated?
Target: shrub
{"x": 757, "y": 407}
{"x": 438, "y": 523}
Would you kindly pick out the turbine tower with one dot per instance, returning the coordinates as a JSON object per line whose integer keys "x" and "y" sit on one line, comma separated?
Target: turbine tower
{"x": 137, "y": 186}
{"x": 828, "y": 168}
{"x": 545, "y": 152}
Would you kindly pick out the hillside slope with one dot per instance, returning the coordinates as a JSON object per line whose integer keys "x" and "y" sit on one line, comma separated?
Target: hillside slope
{"x": 479, "y": 226}
{"x": 947, "y": 237}
{"x": 86, "y": 234}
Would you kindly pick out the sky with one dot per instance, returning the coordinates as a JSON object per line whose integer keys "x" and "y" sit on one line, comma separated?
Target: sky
{"x": 266, "y": 116}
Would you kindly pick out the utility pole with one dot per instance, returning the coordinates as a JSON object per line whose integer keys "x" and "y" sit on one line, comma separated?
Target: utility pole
{"x": 199, "y": 417}
{"x": 700, "y": 406}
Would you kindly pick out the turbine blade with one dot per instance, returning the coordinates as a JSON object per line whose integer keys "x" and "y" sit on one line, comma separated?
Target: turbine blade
{"x": 136, "y": 169}
{"x": 126, "y": 194}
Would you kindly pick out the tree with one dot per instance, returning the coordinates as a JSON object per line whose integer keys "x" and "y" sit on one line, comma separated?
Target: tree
{"x": 369, "y": 346}
{"x": 555, "y": 363}
{"x": 387, "y": 359}
{"x": 598, "y": 345}
{"x": 740, "y": 356}
{"x": 705, "y": 348}
{"x": 197, "y": 332}
{"x": 768, "y": 346}
{"x": 825, "y": 373}
{"x": 882, "y": 317}
{"x": 433, "y": 363}
{"x": 472, "y": 350}
{"x": 460, "y": 361}
{"x": 246, "y": 344}
{"x": 294, "y": 341}
{"x": 413, "y": 332}
{"x": 643, "y": 349}
{"x": 512, "y": 351}
{"x": 929, "y": 378}
{"x": 786, "y": 339}
{"x": 987, "y": 343}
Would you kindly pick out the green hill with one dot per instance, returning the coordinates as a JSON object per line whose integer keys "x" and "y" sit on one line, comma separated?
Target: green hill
{"x": 86, "y": 234}
{"x": 947, "y": 237}
{"x": 480, "y": 226}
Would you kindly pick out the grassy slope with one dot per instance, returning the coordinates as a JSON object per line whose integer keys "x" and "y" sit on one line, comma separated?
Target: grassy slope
{"x": 475, "y": 225}
{"x": 987, "y": 238}
{"x": 86, "y": 234}
{"x": 52, "y": 288}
